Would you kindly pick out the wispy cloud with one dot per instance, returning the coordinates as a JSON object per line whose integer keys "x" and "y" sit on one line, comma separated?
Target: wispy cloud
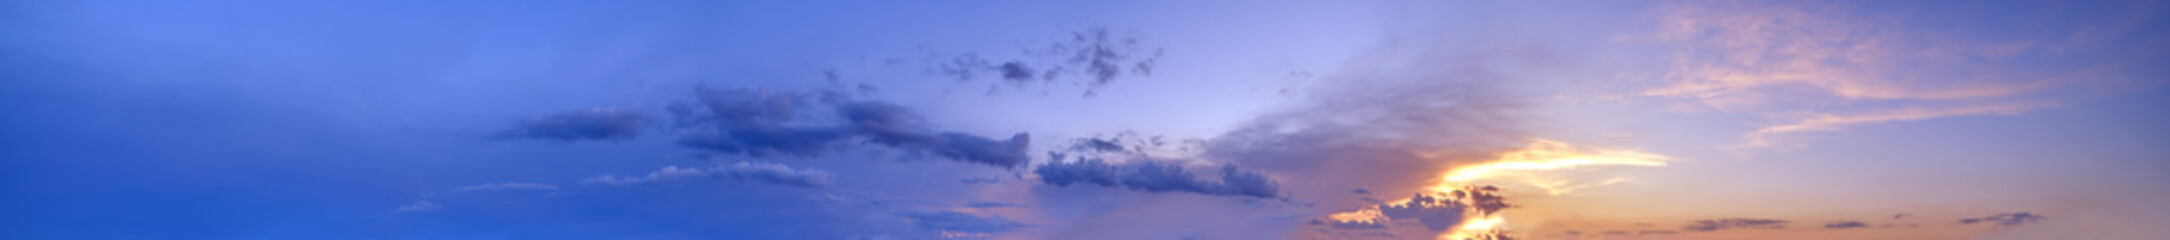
{"x": 587, "y": 124}
{"x": 1157, "y": 177}
{"x": 743, "y": 171}
{"x": 1845, "y": 225}
{"x": 1830, "y": 122}
{"x": 418, "y": 206}
{"x": 1823, "y": 67}
{"x": 506, "y": 186}
{"x": 1733, "y": 223}
{"x": 761, "y": 123}
{"x": 2005, "y": 219}
{"x": 952, "y": 223}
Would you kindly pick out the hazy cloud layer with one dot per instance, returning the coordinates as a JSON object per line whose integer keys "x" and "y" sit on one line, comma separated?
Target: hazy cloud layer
{"x": 1845, "y": 225}
{"x": 589, "y": 124}
{"x": 1707, "y": 225}
{"x": 958, "y": 222}
{"x": 418, "y": 206}
{"x": 506, "y": 186}
{"x": 1827, "y": 66}
{"x": 2005, "y": 219}
{"x": 769, "y": 173}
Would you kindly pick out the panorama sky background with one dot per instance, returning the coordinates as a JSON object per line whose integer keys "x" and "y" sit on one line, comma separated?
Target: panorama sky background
{"x": 1084, "y": 120}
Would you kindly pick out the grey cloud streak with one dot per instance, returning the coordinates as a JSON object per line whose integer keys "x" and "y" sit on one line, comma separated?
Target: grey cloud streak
{"x": 2005, "y": 219}
{"x": 761, "y": 123}
{"x": 588, "y": 124}
{"x": 1707, "y": 225}
{"x": 769, "y": 173}
{"x": 1157, "y": 177}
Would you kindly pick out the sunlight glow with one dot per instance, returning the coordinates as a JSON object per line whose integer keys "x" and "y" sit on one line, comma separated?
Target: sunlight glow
{"x": 1538, "y": 164}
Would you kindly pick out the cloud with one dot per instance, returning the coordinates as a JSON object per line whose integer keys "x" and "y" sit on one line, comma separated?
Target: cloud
{"x": 769, "y": 173}
{"x": 1732, "y": 223}
{"x": 506, "y": 186}
{"x": 1825, "y": 122}
{"x": 1828, "y": 66}
{"x": 1157, "y": 177}
{"x": 766, "y": 140}
{"x": 1099, "y": 145}
{"x": 590, "y": 124}
{"x": 1435, "y": 212}
{"x": 1015, "y": 71}
{"x": 992, "y": 205}
{"x": 751, "y": 122}
{"x": 1741, "y": 55}
{"x": 1438, "y": 212}
{"x": 958, "y": 222}
{"x": 1095, "y": 53}
{"x": 1845, "y": 225}
{"x": 418, "y": 206}
{"x": 1391, "y": 121}
{"x": 761, "y": 123}
{"x": 2005, "y": 219}
{"x": 894, "y": 126}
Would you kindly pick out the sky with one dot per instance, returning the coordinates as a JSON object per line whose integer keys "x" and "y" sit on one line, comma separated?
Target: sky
{"x": 1085, "y": 120}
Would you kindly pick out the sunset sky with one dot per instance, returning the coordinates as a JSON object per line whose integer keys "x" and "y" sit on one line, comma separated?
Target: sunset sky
{"x": 1085, "y": 120}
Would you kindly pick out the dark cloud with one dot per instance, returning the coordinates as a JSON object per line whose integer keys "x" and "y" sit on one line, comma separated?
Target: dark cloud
{"x": 1100, "y": 145}
{"x": 1845, "y": 225}
{"x": 1707, "y": 225}
{"x": 1443, "y": 210}
{"x": 2005, "y": 219}
{"x": 1157, "y": 177}
{"x": 1096, "y": 53}
{"x": 743, "y": 171}
{"x": 1436, "y": 213}
{"x": 590, "y": 124}
{"x": 1125, "y": 143}
{"x": 1015, "y": 71}
{"x": 950, "y": 221}
{"x": 1901, "y": 215}
{"x": 761, "y": 123}
{"x": 894, "y": 126}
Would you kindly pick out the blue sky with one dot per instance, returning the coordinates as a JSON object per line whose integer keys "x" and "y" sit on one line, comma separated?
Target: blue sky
{"x": 1084, "y": 120}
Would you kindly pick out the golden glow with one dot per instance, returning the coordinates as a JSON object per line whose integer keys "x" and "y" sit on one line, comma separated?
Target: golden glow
{"x": 1541, "y": 164}
{"x": 1360, "y": 215}
{"x": 1532, "y": 164}
{"x": 1476, "y": 228}
{"x": 1535, "y": 165}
